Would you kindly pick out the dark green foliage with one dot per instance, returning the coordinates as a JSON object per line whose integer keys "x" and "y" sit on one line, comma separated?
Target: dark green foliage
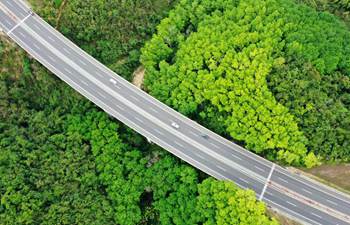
{"x": 340, "y": 8}
{"x": 322, "y": 103}
{"x": 47, "y": 176}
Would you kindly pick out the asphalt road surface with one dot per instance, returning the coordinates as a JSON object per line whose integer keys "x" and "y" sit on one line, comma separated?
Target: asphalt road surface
{"x": 302, "y": 199}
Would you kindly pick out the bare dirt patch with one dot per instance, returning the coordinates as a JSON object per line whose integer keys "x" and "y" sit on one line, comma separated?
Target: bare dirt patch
{"x": 338, "y": 175}
{"x": 138, "y": 76}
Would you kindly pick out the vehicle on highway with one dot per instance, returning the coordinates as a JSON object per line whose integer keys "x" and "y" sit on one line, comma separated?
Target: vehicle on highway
{"x": 113, "y": 81}
{"x": 175, "y": 125}
{"x": 31, "y": 12}
{"x": 204, "y": 136}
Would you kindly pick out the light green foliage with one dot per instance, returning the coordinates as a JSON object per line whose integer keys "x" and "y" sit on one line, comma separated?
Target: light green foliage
{"x": 311, "y": 160}
{"x": 222, "y": 203}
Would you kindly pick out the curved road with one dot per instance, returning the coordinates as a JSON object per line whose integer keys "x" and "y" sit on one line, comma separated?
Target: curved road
{"x": 302, "y": 199}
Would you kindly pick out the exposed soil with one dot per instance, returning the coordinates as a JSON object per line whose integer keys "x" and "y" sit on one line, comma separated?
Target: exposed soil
{"x": 138, "y": 76}
{"x": 338, "y": 175}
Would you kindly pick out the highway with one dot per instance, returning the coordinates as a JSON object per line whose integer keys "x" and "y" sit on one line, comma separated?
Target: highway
{"x": 300, "y": 198}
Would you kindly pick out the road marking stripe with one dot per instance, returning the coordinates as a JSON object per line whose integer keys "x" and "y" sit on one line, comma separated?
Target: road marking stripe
{"x": 285, "y": 181}
{"x": 8, "y": 2}
{"x": 158, "y": 131}
{"x": 193, "y": 133}
{"x": 21, "y": 33}
{"x": 135, "y": 98}
{"x": 262, "y": 170}
{"x": 4, "y": 27}
{"x": 179, "y": 144}
{"x": 316, "y": 215}
{"x": 68, "y": 70}
{"x": 331, "y": 202}
{"x": 245, "y": 181}
{"x": 138, "y": 119}
{"x": 120, "y": 107}
{"x": 214, "y": 145}
{"x": 153, "y": 109}
{"x": 82, "y": 62}
{"x": 36, "y": 46}
{"x": 268, "y": 193}
{"x": 291, "y": 203}
{"x": 221, "y": 168}
{"x": 52, "y": 58}
{"x": 102, "y": 95}
{"x": 66, "y": 51}
{"x": 309, "y": 192}
{"x": 84, "y": 82}
{"x": 8, "y": 22}
{"x": 236, "y": 156}
{"x": 36, "y": 26}
{"x": 51, "y": 38}
{"x": 199, "y": 155}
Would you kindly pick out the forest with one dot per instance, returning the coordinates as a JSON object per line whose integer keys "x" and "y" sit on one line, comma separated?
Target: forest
{"x": 271, "y": 75}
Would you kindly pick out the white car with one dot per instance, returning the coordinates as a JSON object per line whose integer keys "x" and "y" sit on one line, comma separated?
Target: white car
{"x": 113, "y": 81}
{"x": 175, "y": 125}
